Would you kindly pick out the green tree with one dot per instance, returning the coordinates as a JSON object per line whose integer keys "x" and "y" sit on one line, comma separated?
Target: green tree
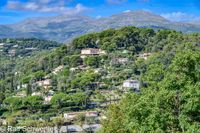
{"x": 60, "y": 100}
{"x": 33, "y": 102}
{"x": 13, "y": 103}
{"x": 2, "y": 97}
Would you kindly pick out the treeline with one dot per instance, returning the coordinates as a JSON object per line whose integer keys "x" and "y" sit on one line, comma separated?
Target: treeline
{"x": 36, "y": 103}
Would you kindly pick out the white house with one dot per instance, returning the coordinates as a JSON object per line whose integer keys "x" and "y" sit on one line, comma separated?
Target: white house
{"x": 58, "y": 69}
{"x": 15, "y": 46}
{"x": 2, "y": 44}
{"x": 119, "y": 61}
{"x": 36, "y": 94}
{"x": 12, "y": 52}
{"x": 49, "y": 96}
{"x": 3, "y": 122}
{"x": 51, "y": 93}
{"x": 135, "y": 84}
{"x": 71, "y": 116}
{"x": 91, "y": 114}
{"x": 47, "y": 99}
{"x": 145, "y": 55}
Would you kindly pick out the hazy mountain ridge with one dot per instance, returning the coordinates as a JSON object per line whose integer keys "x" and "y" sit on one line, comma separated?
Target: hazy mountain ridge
{"x": 64, "y": 28}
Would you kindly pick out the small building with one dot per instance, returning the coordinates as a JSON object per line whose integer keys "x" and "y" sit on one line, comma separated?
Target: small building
{"x": 133, "y": 84}
{"x": 44, "y": 83}
{"x": 2, "y": 44}
{"x": 120, "y": 61}
{"x": 47, "y": 99}
{"x": 22, "y": 86}
{"x": 71, "y": 116}
{"x": 3, "y": 122}
{"x": 99, "y": 70}
{"x": 21, "y": 94}
{"x": 145, "y": 55}
{"x": 36, "y": 94}
{"x": 82, "y": 67}
{"x": 51, "y": 93}
{"x": 31, "y": 49}
{"x": 92, "y": 114}
{"x": 15, "y": 46}
{"x": 58, "y": 69}
{"x": 74, "y": 115}
{"x": 49, "y": 96}
{"x": 12, "y": 52}
{"x": 91, "y": 51}
{"x": 74, "y": 128}
{"x": 73, "y": 69}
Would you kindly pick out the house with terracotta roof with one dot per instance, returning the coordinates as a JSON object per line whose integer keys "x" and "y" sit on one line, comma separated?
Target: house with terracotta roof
{"x": 91, "y": 51}
{"x": 44, "y": 83}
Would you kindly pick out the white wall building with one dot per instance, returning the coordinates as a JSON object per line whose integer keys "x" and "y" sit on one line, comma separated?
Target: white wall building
{"x": 145, "y": 55}
{"x": 47, "y": 99}
{"x": 73, "y": 115}
{"x": 135, "y": 84}
{"x": 2, "y": 44}
{"x": 58, "y": 69}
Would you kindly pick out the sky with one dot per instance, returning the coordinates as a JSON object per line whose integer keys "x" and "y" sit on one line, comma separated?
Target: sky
{"x": 13, "y": 11}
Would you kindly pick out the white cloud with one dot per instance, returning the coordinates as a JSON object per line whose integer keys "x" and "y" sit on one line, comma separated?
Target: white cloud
{"x": 180, "y": 17}
{"x": 46, "y": 6}
{"x": 126, "y": 11}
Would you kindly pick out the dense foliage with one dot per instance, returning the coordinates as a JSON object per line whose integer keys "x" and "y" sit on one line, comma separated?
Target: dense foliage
{"x": 25, "y": 46}
{"x": 169, "y": 98}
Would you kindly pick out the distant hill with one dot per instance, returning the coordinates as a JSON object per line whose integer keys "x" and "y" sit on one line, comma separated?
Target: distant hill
{"x": 65, "y": 28}
{"x": 22, "y": 47}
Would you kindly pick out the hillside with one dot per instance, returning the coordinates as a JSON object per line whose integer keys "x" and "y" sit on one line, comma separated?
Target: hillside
{"x": 65, "y": 28}
{"x": 117, "y": 76}
{"x": 25, "y": 46}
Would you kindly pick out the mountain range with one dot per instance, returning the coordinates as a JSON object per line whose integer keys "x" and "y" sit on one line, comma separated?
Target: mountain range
{"x": 64, "y": 28}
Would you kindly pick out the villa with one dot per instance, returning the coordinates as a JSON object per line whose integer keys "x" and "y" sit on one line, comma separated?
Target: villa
{"x": 91, "y": 51}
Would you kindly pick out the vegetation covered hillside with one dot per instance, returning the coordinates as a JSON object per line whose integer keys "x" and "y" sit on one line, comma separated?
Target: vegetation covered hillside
{"x": 24, "y": 46}
{"x": 91, "y": 73}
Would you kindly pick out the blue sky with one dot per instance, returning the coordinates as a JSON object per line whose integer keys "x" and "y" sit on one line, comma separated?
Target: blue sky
{"x": 12, "y": 11}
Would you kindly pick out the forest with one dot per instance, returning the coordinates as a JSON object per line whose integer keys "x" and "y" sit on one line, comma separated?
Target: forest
{"x": 169, "y": 98}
